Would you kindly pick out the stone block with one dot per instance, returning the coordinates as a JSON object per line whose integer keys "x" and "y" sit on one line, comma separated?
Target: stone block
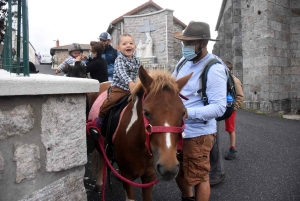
{"x": 295, "y": 62}
{"x": 18, "y": 121}
{"x": 261, "y": 61}
{"x": 293, "y": 45}
{"x": 284, "y": 3}
{"x": 267, "y": 33}
{"x": 296, "y": 70}
{"x": 275, "y": 26}
{"x": 295, "y": 21}
{"x": 285, "y": 28}
{"x": 63, "y": 132}
{"x": 281, "y": 44}
{"x": 295, "y": 29}
{"x": 69, "y": 187}
{"x": 295, "y": 37}
{"x": 1, "y": 165}
{"x": 27, "y": 158}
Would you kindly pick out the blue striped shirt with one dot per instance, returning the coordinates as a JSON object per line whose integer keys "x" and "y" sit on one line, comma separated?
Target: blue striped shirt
{"x": 70, "y": 61}
{"x": 126, "y": 70}
{"x": 216, "y": 93}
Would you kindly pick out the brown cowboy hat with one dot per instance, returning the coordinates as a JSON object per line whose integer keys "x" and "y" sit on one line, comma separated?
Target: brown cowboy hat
{"x": 195, "y": 31}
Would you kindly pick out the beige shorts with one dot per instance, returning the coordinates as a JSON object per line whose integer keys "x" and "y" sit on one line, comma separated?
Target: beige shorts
{"x": 194, "y": 159}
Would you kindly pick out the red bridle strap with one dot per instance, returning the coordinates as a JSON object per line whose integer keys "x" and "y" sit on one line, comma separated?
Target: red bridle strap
{"x": 149, "y": 129}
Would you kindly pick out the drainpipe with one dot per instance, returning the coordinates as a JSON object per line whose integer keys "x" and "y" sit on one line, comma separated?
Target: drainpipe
{"x": 166, "y": 16}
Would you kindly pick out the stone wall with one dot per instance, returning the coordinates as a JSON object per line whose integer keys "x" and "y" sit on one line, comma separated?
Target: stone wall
{"x": 260, "y": 37}
{"x": 42, "y": 137}
{"x": 177, "y": 47}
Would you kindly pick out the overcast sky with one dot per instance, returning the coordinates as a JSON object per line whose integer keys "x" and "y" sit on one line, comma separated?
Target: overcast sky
{"x": 82, "y": 21}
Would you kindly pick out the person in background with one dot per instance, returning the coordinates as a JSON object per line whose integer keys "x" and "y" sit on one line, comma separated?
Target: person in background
{"x": 110, "y": 54}
{"x": 39, "y": 57}
{"x": 200, "y": 123}
{"x": 74, "y": 51}
{"x": 96, "y": 66}
{"x": 216, "y": 174}
{"x": 230, "y": 122}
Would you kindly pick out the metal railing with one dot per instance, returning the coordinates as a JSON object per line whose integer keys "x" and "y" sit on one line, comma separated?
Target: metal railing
{"x": 12, "y": 60}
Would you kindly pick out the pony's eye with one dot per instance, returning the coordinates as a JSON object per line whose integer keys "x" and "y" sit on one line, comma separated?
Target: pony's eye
{"x": 146, "y": 113}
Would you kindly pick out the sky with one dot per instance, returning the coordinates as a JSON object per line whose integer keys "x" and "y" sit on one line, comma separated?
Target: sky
{"x": 72, "y": 21}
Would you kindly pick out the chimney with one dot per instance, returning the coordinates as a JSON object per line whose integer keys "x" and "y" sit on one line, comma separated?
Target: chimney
{"x": 57, "y": 43}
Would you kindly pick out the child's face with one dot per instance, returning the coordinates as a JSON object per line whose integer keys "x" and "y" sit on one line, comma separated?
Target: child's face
{"x": 75, "y": 53}
{"x": 126, "y": 46}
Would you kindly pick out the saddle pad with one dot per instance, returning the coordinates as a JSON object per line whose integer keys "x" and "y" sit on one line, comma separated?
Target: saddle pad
{"x": 94, "y": 112}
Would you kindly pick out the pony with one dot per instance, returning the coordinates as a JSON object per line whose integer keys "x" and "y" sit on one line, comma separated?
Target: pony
{"x": 149, "y": 133}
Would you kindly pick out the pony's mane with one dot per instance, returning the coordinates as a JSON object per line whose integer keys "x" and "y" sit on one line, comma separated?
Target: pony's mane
{"x": 162, "y": 80}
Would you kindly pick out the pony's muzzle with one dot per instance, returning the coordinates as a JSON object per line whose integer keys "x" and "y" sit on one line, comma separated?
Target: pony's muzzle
{"x": 167, "y": 174}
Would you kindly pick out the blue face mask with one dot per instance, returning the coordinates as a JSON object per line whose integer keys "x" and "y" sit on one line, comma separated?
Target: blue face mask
{"x": 188, "y": 52}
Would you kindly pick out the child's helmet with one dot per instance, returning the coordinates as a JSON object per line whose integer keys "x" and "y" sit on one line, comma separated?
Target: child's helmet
{"x": 74, "y": 46}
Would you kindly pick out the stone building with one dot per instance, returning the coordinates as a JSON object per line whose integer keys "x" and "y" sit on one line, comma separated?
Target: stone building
{"x": 161, "y": 24}
{"x": 262, "y": 39}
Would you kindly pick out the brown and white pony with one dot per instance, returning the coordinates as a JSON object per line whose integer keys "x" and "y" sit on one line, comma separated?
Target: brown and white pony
{"x": 149, "y": 131}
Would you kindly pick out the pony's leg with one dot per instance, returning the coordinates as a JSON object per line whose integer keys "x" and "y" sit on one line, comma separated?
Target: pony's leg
{"x": 147, "y": 192}
{"x": 128, "y": 189}
{"x": 97, "y": 169}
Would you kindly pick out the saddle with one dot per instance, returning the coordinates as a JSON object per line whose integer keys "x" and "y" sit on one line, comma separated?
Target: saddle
{"x": 110, "y": 124}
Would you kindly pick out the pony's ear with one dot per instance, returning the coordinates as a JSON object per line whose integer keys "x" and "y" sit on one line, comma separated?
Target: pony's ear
{"x": 182, "y": 81}
{"x": 145, "y": 78}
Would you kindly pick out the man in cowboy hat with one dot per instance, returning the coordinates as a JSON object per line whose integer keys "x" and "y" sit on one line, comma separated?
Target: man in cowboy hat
{"x": 201, "y": 128}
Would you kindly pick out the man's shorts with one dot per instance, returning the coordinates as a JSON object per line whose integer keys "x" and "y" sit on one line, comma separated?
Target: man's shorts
{"x": 230, "y": 122}
{"x": 194, "y": 159}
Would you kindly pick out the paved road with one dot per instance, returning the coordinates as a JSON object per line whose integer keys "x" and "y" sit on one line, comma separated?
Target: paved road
{"x": 267, "y": 166}
{"x": 46, "y": 69}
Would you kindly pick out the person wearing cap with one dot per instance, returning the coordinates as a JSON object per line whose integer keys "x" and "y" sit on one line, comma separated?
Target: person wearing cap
{"x": 201, "y": 127}
{"x": 74, "y": 51}
{"x": 110, "y": 54}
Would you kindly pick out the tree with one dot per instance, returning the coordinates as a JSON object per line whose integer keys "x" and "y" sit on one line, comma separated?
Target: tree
{"x": 3, "y": 14}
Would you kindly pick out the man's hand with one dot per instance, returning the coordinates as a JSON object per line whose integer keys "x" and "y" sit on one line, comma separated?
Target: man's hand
{"x": 56, "y": 71}
{"x": 84, "y": 56}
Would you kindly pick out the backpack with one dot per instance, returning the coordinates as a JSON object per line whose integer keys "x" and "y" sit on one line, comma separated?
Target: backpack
{"x": 230, "y": 86}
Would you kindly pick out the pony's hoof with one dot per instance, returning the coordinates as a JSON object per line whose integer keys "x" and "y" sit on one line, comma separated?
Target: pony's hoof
{"x": 98, "y": 188}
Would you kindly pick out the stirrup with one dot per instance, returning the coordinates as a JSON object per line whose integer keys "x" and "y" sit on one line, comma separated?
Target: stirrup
{"x": 94, "y": 133}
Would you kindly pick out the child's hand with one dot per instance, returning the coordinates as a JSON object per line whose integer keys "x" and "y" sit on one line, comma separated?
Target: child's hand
{"x": 78, "y": 58}
{"x": 131, "y": 86}
{"x": 56, "y": 71}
